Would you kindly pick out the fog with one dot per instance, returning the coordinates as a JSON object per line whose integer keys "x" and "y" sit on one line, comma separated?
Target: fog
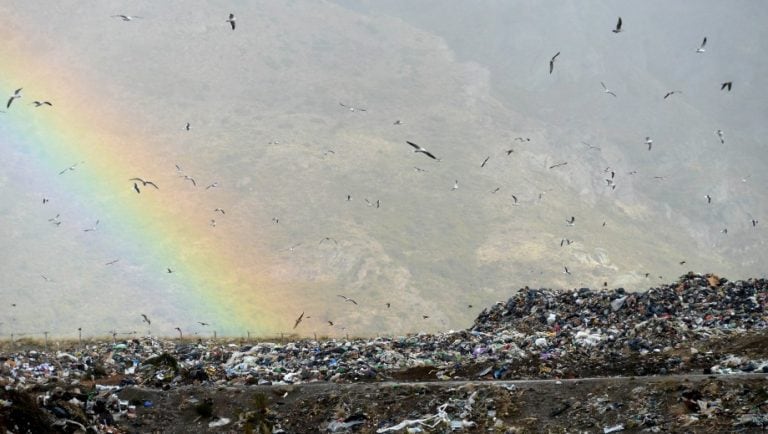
{"x": 466, "y": 80}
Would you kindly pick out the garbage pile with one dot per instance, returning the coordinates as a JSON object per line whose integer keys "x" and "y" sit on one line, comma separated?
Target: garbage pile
{"x": 700, "y": 324}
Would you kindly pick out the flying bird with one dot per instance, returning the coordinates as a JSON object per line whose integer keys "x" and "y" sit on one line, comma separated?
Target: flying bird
{"x": 618, "y": 26}
{"x": 509, "y": 152}
{"x": 352, "y": 109}
{"x": 145, "y": 183}
{"x": 672, "y": 92}
{"x": 455, "y": 185}
{"x": 397, "y": 122}
{"x": 590, "y": 146}
{"x": 571, "y": 221}
{"x": 558, "y": 165}
{"x": 231, "y": 21}
{"x": 727, "y": 84}
{"x": 485, "y": 161}
{"x": 70, "y": 168}
{"x": 330, "y": 323}
{"x": 168, "y": 270}
{"x": 606, "y": 90}
{"x": 204, "y": 324}
{"x": 146, "y": 320}
{"x": 754, "y": 223}
{"x": 701, "y": 48}
{"x": 514, "y": 198}
{"x": 298, "y": 320}
{"x": 112, "y": 262}
{"x": 566, "y": 270}
{"x": 347, "y": 299}
{"x": 720, "y": 134}
{"x": 328, "y": 239}
{"x": 566, "y": 242}
{"x": 187, "y": 126}
{"x": 16, "y": 94}
{"x": 39, "y": 103}
{"x": 422, "y": 150}
{"x": 178, "y": 330}
{"x": 92, "y": 228}
{"x": 649, "y": 142}
{"x": 219, "y": 210}
{"x": 126, "y": 17}
{"x": 709, "y": 198}
{"x": 214, "y": 185}
{"x": 388, "y": 305}
{"x": 552, "y": 62}
{"x": 495, "y": 190}
{"x": 189, "y": 178}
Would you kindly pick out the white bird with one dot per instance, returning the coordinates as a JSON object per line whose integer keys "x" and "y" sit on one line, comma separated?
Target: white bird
{"x": 701, "y": 48}
{"x": 231, "y": 20}
{"x": 418, "y": 148}
{"x": 39, "y": 103}
{"x": 566, "y": 270}
{"x": 92, "y": 228}
{"x": 571, "y": 221}
{"x": 455, "y": 185}
{"x": 347, "y": 299}
{"x": 606, "y": 90}
{"x": 709, "y": 198}
{"x": 125, "y": 17}
{"x": 649, "y": 142}
{"x": 16, "y": 95}
{"x": 721, "y": 136}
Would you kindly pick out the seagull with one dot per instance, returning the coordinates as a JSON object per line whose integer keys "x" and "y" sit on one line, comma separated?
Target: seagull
{"x": 214, "y": 185}
{"x": 329, "y": 239}
{"x": 724, "y": 231}
{"x": 275, "y": 220}
{"x": 46, "y": 278}
{"x": 330, "y": 323}
{"x": 204, "y": 324}
{"x": 606, "y": 90}
{"x": 514, "y": 198}
{"x": 39, "y": 103}
{"x": 146, "y": 320}
{"x": 145, "y": 183}
{"x": 419, "y": 169}
{"x": 672, "y": 92}
{"x": 293, "y": 247}
{"x": 754, "y": 223}
{"x": 298, "y": 320}
{"x": 352, "y": 108}
{"x": 590, "y": 146}
{"x": 231, "y": 21}
{"x": 112, "y": 262}
{"x": 558, "y": 165}
{"x": 455, "y": 185}
{"x": 565, "y": 241}
{"x": 187, "y": 126}
{"x": 649, "y": 142}
{"x": 93, "y": 228}
{"x": 212, "y": 223}
{"x": 422, "y": 150}
{"x": 528, "y": 139}
{"x": 219, "y": 210}
{"x": 425, "y": 316}
{"x": 126, "y": 17}
{"x": 552, "y": 62}
{"x": 701, "y": 48}
{"x": 727, "y": 84}
{"x": 509, "y": 152}
{"x": 169, "y": 270}
{"x": 16, "y": 94}
{"x": 721, "y": 136}
{"x": 571, "y": 221}
{"x": 485, "y": 161}
{"x": 189, "y": 178}
{"x": 709, "y": 198}
{"x": 495, "y": 190}
{"x": 347, "y": 299}
{"x": 397, "y": 122}
{"x": 618, "y": 26}
{"x": 178, "y": 330}
{"x": 566, "y": 270}
{"x": 388, "y": 305}
{"x": 70, "y": 168}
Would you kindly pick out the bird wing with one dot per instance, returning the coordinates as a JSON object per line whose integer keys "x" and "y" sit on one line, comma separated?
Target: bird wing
{"x": 298, "y": 320}
{"x": 603, "y": 84}
{"x": 721, "y": 88}
{"x": 414, "y": 145}
{"x": 136, "y": 187}
{"x": 428, "y": 154}
{"x": 233, "y": 24}
{"x": 16, "y": 92}
{"x": 555, "y": 56}
{"x": 152, "y": 184}
{"x": 485, "y": 161}
{"x": 610, "y": 92}
{"x": 668, "y": 94}
{"x": 138, "y": 179}
{"x": 10, "y": 100}
{"x": 704, "y": 42}
{"x": 618, "y": 24}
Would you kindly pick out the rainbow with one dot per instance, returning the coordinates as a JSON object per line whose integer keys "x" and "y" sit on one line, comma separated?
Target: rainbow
{"x": 216, "y": 276}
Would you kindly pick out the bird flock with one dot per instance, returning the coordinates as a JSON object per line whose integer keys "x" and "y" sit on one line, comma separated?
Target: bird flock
{"x": 140, "y": 184}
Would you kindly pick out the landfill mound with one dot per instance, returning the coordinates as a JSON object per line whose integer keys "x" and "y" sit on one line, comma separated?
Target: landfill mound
{"x": 688, "y": 356}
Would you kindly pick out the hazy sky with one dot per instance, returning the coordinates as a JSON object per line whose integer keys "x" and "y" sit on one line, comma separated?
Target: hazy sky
{"x": 317, "y": 200}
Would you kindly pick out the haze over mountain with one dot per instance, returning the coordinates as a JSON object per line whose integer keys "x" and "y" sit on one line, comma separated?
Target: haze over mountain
{"x": 264, "y": 104}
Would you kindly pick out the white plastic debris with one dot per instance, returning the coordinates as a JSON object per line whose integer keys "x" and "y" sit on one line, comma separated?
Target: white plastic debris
{"x": 615, "y": 428}
{"x": 218, "y": 422}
